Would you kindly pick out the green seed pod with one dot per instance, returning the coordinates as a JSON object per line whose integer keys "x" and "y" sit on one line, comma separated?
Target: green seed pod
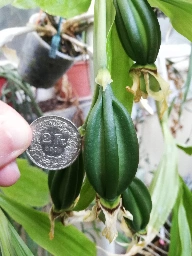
{"x": 65, "y": 185}
{"x": 138, "y": 29}
{"x": 137, "y": 200}
{"x": 111, "y": 152}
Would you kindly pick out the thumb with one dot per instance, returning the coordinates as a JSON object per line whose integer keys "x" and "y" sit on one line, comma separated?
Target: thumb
{"x": 9, "y": 174}
{"x": 15, "y": 134}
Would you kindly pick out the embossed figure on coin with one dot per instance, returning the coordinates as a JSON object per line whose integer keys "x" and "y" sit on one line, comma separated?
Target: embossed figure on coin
{"x": 56, "y": 142}
{"x": 53, "y": 142}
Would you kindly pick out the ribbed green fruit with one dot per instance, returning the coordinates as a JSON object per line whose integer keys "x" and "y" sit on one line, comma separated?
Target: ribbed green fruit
{"x": 137, "y": 200}
{"x": 65, "y": 185}
{"x": 111, "y": 152}
{"x": 138, "y": 29}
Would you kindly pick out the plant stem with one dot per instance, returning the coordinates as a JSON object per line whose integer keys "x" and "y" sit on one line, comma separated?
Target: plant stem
{"x": 99, "y": 47}
{"x": 100, "y": 55}
{"x": 99, "y": 41}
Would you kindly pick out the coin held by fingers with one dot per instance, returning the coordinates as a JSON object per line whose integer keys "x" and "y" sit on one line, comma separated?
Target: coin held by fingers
{"x": 56, "y": 142}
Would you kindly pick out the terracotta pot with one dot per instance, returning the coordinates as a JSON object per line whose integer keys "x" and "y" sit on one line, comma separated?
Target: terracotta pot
{"x": 79, "y": 78}
{"x": 2, "y": 83}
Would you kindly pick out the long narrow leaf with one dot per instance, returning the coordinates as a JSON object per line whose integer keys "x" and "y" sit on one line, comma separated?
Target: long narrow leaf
{"x": 187, "y": 202}
{"x": 179, "y": 12}
{"x": 87, "y": 195}
{"x": 20, "y": 247}
{"x": 5, "y": 236}
{"x": 68, "y": 240}
{"x": 10, "y": 242}
{"x": 32, "y": 186}
{"x": 165, "y": 185}
{"x": 185, "y": 148}
{"x": 189, "y": 78}
{"x": 181, "y": 244}
{"x": 119, "y": 64}
{"x": 185, "y": 236}
{"x": 175, "y": 245}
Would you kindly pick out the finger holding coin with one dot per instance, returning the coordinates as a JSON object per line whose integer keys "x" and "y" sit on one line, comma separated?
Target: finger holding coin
{"x": 56, "y": 142}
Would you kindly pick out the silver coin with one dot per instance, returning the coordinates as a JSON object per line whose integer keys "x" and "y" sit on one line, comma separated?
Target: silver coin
{"x": 56, "y": 142}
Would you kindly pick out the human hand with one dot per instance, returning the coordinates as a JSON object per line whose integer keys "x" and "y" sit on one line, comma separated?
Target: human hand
{"x": 15, "y": 137}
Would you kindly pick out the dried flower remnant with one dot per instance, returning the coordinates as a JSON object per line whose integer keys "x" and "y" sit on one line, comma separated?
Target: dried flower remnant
{"x": 148, "y": 82}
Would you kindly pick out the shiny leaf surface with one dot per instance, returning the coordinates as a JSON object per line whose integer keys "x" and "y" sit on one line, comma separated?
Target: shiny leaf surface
{"x": 67, "y": 241}
{"x": 32, "y": 186}
{"x": 179, "y": 12}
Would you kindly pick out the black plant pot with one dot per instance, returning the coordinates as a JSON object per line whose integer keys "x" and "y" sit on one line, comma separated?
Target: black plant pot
{"x": 37, "y": 68}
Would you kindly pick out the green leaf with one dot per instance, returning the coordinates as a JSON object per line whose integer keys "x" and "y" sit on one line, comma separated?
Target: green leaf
{"x": 119, "y": 64}
{"x": 175, "y": 245}
{"x": 123, "y": 240}
{"x": 64, "y": 8}
{"x": 11, "y": 243}
{"x": 68, "y": 240}
{"x": 186, "y": 149}
{"x": 181, "y": 244}
{"x": 87, "y": 195}
{"x": 25, "y": 4}
{"x": 187, "y": 202}
{"x": 182, "y": 4}
{"x": 32, "y": 186}
{"x": 165, "y": 184}
{"x": 110, "y": 15}
{"x": 5, "y": 2}
{"x": 185, "y": 235}
{"x": 179, "y": 12}
{"x": 20, "y": 247}
{"x": 188, "y": 80}
{"x": 5, "y": 236}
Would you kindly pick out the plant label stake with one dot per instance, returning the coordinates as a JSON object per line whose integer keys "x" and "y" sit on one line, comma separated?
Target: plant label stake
{"x": 55, "y": 41}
